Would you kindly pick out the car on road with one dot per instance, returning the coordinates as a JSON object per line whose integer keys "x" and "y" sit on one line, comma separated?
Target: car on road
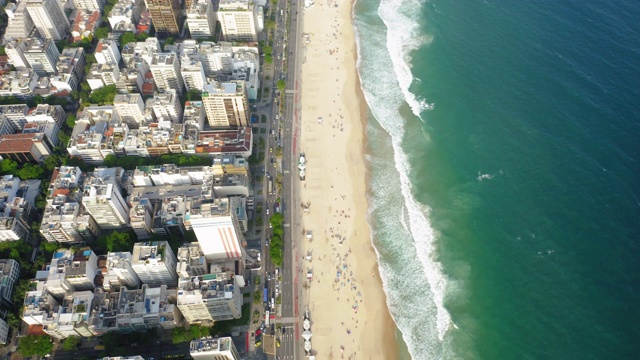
{"x": 267, "y": 211}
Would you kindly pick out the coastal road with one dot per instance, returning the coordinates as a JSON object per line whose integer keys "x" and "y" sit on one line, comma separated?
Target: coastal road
{"x": 291, "y": 346}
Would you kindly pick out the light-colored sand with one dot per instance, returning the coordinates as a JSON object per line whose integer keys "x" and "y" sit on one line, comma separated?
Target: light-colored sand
{"x": 347, "y": 304}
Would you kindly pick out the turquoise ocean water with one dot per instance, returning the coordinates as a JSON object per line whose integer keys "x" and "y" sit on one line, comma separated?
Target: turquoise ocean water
{"x": 506, "y": 215}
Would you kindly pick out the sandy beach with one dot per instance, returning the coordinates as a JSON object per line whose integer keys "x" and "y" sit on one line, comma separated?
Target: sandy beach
{"x": 349, "y": 316}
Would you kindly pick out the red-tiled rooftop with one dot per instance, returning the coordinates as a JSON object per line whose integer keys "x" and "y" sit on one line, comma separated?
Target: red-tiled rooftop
{"x": 12, "y": 143}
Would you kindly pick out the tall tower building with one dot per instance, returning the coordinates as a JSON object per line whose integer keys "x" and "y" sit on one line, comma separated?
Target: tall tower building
{"x": 49, "y": 18}
{"x": 214, "y": 349}
{"x": 165, "y": 15}
{"x": 193, "y": 74}
{"x": 165, "y": 68}
{"x": 130, "y": 108}
{"x": 238, "y": 20}
{"x": 226, "y": 104}
{"x": 201, "y": 19}
{"x": 19, "y": 24}
{"x": 155, "y": 263}
{"x": 103, "y": 200}
{"x": 42, "y": 56}
{"x": 88, "y": 5}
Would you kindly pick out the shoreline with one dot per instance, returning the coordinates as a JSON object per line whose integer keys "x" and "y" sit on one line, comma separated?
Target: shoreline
{"x": 346, "y": 299}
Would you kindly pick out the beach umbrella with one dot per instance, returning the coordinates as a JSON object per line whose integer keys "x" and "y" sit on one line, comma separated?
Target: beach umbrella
{"x": 306, "y": 324}
{"x": 307, "y": 335}
{"x": 307, "y": 345}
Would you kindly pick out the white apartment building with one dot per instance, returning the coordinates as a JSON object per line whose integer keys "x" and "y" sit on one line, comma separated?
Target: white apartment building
{"x": 194, "y": 114}
{"x": 71, "y": 317}
{"x": 210, "y": 297}
{"x": 90, "y": 5}
{"x": 118, "y": 272}
{"x": 49, "y": 18}
{"x": 64, "y": 220}
{"x": 191, "y": 261}
{"x": 193, "y": 74}
{"x": 21, "y": 83}
{"x": 107, "y": 52}
{"x": 216, "y": 57}
{"x": 15, "y": 52}
{"x": 218, "y": 234}
{"x": 103, "y": 200}
{"x": 15, "y": 116}
{"x": 130, "y": 109}
{"x": 101, "y": 75}
{"x": 140, "y": 217}
{"x": 201, "y": 19}
{"x": 165, "y": 68}
{"x": 155, "y": 263}
{"x": 19, "y": 24}
{"x": 146, "y": 308}
{"x": 125, "y": 12}
{"x": 166, "y": 107}
{"x": 226, "y": 104}
{"x": 214, "y": 349}
{"x": 9, "y": 274}
{"x": 238, "y": 19}
{"x": 17, "y": 207}
{"x": 41, "y": 55}
{"x": 71, "y": 271}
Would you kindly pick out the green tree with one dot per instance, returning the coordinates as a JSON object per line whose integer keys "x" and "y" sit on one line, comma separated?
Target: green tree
{"x": 71, "y": 343}
{"x": 169, "y": 41}
{"x": 268, "y": 59}
{"x": 63, "y": 139}
{"x": 8, "y": 166}
{"x": 2, "y": 52}
{"x": 126, "y": 38}
{"x": 51, "y": 162}
{"x": 102, "y": 32}
{"x": 143, "y": 36}
{"x": 32, "y": 345}
{"x": 71, "y": 121}
{"x": 30, "y": 171}
{"x": 104, "y": 95}
{"x": 270, "y": 24}
{"x": 282, "y": 85}
{"x": 114, "y": 241}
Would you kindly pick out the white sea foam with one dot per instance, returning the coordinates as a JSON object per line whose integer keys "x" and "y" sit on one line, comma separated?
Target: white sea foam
{"x": 403, "y": 37}
{"x": 385, "y": 95}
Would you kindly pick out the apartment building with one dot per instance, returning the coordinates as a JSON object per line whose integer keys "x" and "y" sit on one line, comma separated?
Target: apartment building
{"x": 201, "y": 19}
{"x": 9, "y": 274}
{"x": 166, "y": 107}
{"x": 90, "y": 5}
{"x": 226, "y": 104}
{"x": 130, "y": 109}
{"x": 193, "y": 74}
{"x": 19, "y": 23}
{"x": 71, "y": 271}
{"x": 102, "y": 198}
{"x": 165, "y": 68}
{"x": 238, "y": 19}
{"x": 210, "y": 297}
{"x": 214, "y": 349}
{"x": 155, "y": 263}
{"x": 64, "y": 219}
{"x": 41, "y": 55}
{"x": 146, "y": 308}
{"x": 117, "y": 271}
{"x": 48, "y": 18}
{"x": 17, "y": 207}
{"x": 140, "y": 217}
{"x": 166, "y": 16}
{"x": 107, "y": 52}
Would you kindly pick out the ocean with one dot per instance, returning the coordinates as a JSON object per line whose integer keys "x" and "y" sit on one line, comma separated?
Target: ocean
{"x": 503, "y": 149}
